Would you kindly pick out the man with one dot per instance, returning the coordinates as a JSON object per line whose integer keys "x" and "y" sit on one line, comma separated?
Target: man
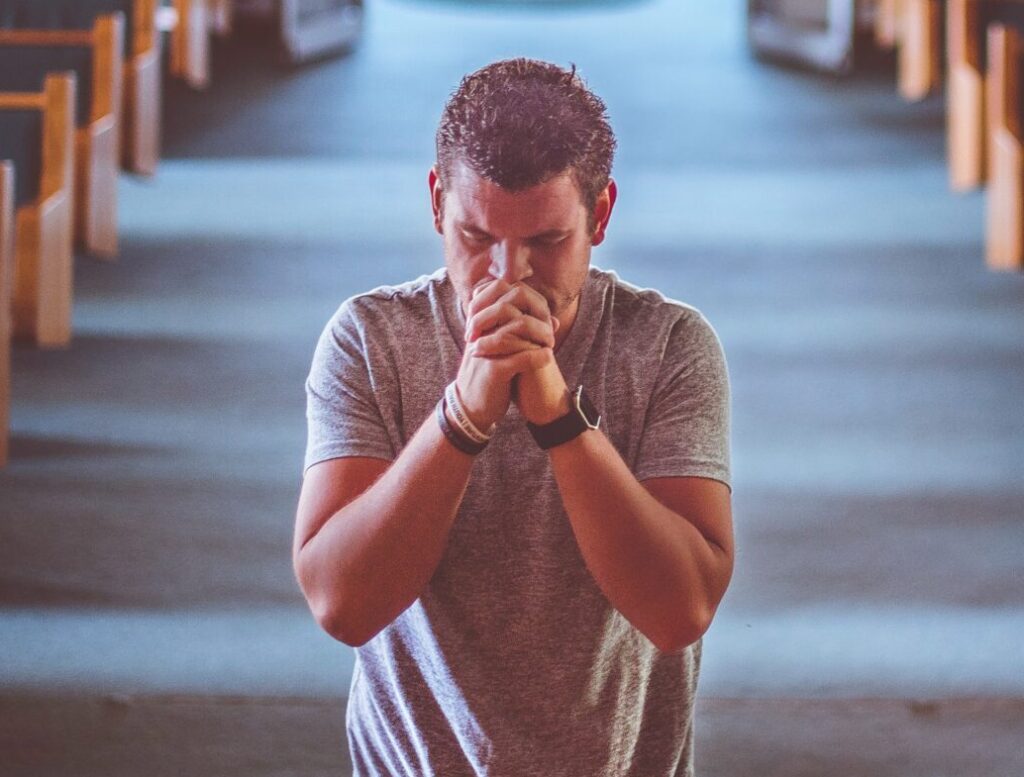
{"x": 526, "y": 584}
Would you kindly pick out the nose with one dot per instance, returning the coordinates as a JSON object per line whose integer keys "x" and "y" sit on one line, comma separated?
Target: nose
{"x": 510, "y": 261}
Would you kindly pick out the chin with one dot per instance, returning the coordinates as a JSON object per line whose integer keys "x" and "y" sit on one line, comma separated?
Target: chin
{"x": 565, "y": 302}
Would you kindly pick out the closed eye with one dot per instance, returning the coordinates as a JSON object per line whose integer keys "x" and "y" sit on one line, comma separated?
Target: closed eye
{"x": 475, "y": 237}
{"x": 547, "y": 242}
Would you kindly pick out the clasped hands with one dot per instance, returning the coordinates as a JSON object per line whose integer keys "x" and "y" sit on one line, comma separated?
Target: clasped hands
{"x": 509, "y": 356}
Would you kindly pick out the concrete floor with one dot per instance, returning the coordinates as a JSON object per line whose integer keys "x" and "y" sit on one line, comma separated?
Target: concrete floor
{"x": 149, "y": 620}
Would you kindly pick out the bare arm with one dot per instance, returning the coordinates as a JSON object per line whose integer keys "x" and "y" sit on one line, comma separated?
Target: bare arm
{"x": 661, "y": 551}
{"x": 369, "y": 536}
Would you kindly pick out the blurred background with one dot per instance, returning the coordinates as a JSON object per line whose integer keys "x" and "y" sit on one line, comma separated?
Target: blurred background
{"x": 790, "y": 168}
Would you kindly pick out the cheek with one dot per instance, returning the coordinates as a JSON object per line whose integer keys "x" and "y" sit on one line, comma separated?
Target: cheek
{"x": 571, "y": 263}
{"x": 466, "y": 267}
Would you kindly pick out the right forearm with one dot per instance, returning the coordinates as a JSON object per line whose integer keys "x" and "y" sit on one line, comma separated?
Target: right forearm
{"x": 374, "y": 555}
{"x": 372, "y": 558}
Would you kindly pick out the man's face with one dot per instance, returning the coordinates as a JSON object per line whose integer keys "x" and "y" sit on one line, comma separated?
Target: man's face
{"x": 537, "y": 236}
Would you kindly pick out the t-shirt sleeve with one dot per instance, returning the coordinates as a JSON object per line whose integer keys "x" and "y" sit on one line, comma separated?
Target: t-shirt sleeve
{"x": 342, "y": 412}
{"x": 686, "y": 429}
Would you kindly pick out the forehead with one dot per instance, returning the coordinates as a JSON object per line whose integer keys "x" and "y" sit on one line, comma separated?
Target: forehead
{"x": 471, "y": 198}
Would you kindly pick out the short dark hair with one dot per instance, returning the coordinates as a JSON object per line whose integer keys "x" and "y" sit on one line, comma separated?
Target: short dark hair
{"x": 520, "y": 122}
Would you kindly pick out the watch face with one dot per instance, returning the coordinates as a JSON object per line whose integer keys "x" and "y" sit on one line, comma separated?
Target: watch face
{"x": 587, "y": 409}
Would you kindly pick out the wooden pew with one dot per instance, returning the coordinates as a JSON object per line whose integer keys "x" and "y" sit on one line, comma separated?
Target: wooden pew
{"x": 914, "y": 29}
{"x": 6, "y": 280}
{"x": 143, "y": 89}
{"x": 965, "y": 112}
{"x": 190, "y": 43}
{"x": 43, "y": 219}
{"x": 95, "y": 55}
{"x": 1004, "y": 232}
{"x": 919, "y": 30}
{"x": 222, "y": 13}
{"x": 887, "y": 23}
{"x": 142, "y": 77}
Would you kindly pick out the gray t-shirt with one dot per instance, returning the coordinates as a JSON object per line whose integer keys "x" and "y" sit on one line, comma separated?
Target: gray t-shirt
{"x": 512, "y": 662}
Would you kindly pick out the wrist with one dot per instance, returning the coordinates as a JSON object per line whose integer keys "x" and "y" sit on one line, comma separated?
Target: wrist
{"x": 553, "y": 410}
{"x": 582, "y": 415}
{"x": 542, "y": 395}
{"x": 453, "y": 433}
{"x": 465, "y": 420}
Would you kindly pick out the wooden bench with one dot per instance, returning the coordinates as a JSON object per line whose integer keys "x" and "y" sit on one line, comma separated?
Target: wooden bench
{"x": 190, "y": 43}
{"x": 37, "y": 131}
{"x": 914, "y": 29}
{"x": 965, "y": 112}
{"x": 222, "y": 14}
{"x": 1004, "y": 97}
{"x": 886, "y": 23}
{"x": 6, "y": 280}
{"x": 26, "y": 56}
{"x": 920, "y": 48}
{"x": 143, "y": 89}
{"x": 142, "y": 75}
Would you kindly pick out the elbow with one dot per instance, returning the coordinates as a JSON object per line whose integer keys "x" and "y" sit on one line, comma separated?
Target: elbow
{"x": 329, "y": 609}
{"x": 336, "y": 616}
{"x": 340, "y": 627}
{"x": 682, "y": 632}
{"x": 688, "y": 625}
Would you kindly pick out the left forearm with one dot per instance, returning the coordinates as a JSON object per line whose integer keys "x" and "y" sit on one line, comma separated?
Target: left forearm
{"x": 653, "y": 565}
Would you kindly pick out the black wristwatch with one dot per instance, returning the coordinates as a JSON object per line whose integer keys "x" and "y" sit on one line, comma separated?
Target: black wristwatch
{"x": 581, "y": 416}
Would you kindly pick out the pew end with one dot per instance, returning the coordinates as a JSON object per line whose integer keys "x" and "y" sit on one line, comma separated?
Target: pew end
{"x": 190, "y": 43}
{"x": 42, "y": 288}
{"x": 965, "y": 91}
{"x": 100, "y": 142}
{"x": 6, "y": 281}
{"x": 886, "y": 28}
{"x": 920, "y": 56}
{"x": 1004, "y": 229}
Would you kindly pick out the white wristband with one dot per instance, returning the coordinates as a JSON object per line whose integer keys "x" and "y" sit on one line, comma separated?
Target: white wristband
{"x": 466, "y": 426}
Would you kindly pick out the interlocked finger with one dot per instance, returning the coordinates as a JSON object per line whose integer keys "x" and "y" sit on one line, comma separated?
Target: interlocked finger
{"x": 518, "y": 334}
{"x": 490, "y": 318}
{"x": 485, "y": 294}
{"x": 484, "y": 315}
{"x": 528, "y": 300}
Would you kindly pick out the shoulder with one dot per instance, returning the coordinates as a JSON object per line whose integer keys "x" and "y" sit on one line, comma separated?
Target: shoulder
{"x": 651, "y": 316}
{"x": 388, "y": 308}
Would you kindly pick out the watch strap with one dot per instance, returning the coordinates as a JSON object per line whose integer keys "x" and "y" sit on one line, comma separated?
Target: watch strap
{"x": 567, "y": 427}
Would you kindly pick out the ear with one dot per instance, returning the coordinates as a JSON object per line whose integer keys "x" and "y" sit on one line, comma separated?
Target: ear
{"x": 436, "y": 195}
{"x": 603, "y": 211}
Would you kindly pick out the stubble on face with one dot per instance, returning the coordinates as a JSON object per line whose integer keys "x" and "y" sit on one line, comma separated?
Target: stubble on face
{"x": 479, "y": 200}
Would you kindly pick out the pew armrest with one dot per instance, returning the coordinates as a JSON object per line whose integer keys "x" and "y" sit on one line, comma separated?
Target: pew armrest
{"x": 965, "y": 112}
{"x": 1004, "y": 233}
{"x": 142, "y": 104}
{"x": 190, "y": 43}
{"x": 6, "y": 282}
